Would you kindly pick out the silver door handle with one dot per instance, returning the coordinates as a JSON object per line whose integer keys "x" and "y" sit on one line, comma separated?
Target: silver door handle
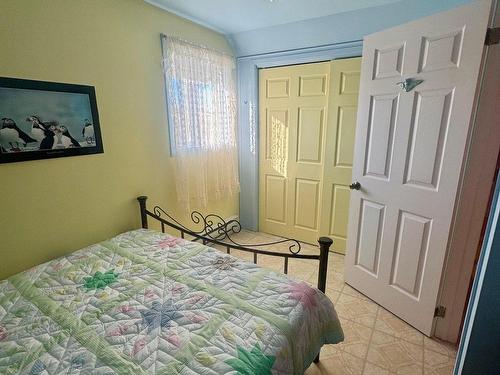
{"x": 409, "y": 84}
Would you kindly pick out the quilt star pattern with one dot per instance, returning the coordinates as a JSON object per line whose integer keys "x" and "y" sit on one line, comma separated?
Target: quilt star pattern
{"x": 145, "y": 302}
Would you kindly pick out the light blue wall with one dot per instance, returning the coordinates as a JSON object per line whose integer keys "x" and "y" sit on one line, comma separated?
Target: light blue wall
{"x": 306, "y": 41}
{"x": 480, "y": 343}
{"x": 337, "y": 28}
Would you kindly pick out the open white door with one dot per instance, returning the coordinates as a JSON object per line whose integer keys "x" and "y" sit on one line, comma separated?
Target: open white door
{"x": 409, "y": 148}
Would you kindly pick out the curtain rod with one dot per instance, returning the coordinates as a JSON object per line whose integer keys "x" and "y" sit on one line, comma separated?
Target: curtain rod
{"x": 164, "y": 36}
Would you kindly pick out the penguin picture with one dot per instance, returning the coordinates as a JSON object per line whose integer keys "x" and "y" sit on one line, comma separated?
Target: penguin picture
{"x": 67, "y": 139}
{"x": 13, "y": 138}
{"x": 88, "y": 132}
{"x": 42, "y": 120}
{"x": 58, "y": 139}
{"x": 37, "y": 127}
{"x": 49, "y": 133}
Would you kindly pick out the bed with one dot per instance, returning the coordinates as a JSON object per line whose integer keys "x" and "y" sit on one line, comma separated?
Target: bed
{"x": 146, "y": 302}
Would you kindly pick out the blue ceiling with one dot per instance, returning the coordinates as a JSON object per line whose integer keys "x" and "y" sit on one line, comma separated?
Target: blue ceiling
{"x": 235, "y": 16}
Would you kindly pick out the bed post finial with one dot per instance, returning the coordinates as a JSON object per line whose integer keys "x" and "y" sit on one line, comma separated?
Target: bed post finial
{"x": 324, "y": 248}
{"x": 142, "y": 204}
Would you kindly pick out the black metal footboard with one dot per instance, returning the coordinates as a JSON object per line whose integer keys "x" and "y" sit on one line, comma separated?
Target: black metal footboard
{"x": 213, "y": 229}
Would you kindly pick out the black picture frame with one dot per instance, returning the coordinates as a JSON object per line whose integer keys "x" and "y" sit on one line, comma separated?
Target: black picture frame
{"x": 90, "y": 145}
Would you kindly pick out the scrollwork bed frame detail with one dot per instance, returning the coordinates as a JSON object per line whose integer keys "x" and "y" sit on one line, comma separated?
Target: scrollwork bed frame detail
{"x": 213, "y": 229}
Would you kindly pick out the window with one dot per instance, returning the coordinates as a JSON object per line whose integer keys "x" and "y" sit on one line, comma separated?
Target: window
{"x": 201, "y": 106}
{"x": 201, "y": 97}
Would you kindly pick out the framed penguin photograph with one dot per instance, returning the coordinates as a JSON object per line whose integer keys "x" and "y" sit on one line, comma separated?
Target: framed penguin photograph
{"x": 41, "y": 120}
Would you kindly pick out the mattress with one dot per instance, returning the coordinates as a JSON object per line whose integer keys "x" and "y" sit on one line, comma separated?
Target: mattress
{"x": 149, "y": 303}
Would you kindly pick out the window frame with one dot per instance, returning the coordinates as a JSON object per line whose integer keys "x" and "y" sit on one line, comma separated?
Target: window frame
{"x": 174, "y": 149}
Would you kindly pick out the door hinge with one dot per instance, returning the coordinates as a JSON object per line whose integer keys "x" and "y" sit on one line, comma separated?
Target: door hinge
{"x": 439, "y": 312}
{"x": 492, "y": 36}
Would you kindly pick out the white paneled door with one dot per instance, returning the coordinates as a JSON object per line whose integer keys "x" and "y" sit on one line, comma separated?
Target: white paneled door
{"x": 416, "y": 100}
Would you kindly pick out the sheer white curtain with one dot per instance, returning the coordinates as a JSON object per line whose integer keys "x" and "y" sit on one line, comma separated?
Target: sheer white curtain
{"x": 201, "y": 99}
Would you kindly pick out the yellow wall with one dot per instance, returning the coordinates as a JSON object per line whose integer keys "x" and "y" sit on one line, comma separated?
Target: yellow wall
{"x": 51, "y": 207}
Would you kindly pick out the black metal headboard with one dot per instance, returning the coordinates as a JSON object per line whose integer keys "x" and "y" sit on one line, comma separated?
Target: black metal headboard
{"x": 213, "y": 229}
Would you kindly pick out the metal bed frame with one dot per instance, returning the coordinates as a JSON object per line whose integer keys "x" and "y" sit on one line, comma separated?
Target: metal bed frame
{"x": 213, "y": 229}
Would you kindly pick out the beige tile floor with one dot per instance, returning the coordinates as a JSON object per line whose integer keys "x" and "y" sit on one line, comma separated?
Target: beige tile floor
{"x": 376, "y": 342}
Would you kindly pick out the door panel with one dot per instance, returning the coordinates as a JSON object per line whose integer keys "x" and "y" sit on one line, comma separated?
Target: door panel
{"x": 278, "y": 88}
{"x": 344, "y": 148}
{"x": 306, "y": 204}
{"x": 276, "y": 199}
{"x": 338, "y": 216}
{"x": 412, "y": 243}
{"x": 313, "y": 85}
{"x": 276, "y": 140}
{"x": 381, "y": 126}
{"x": 310, "y": 136}
{"x": 340, "y": 135}
{"x": 349, "y": 80}
{"x": 410, "y": 144}
{"x": 372, "y": 217}
{"x": 388, "y": 61}
{"x": 441, "y": 51}
{"x": 429, "y": 125}
{"x": 293, "y": 108}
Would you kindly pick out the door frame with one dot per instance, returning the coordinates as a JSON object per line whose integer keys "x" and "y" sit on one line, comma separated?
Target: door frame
{"x": 248, "y": 113}
{"x": 473, "y": 197}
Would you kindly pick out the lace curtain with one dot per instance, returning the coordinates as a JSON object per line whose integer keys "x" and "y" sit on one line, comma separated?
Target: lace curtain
{"x": 201, "y": 99}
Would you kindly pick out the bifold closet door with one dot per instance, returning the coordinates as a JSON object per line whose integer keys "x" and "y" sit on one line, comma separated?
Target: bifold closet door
{"x": 293, "y": 114}
{"x": 339, "y": 150}
{"x": 307, "y": 125}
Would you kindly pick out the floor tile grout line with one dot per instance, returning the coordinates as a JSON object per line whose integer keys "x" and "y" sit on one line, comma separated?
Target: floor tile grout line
{"x": 441, "y": 353}
{"x": 373, "y": 329}
{"x": 423, "y": 357}
{"x": 411, "y": 342}
{"x": 370, "y": 340}
{"x": 402, "y": 339}
{"x": 438, "y": 352}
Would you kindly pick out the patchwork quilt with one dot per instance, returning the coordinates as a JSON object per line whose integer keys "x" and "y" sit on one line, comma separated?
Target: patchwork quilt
{"x": 149, "y": 303}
